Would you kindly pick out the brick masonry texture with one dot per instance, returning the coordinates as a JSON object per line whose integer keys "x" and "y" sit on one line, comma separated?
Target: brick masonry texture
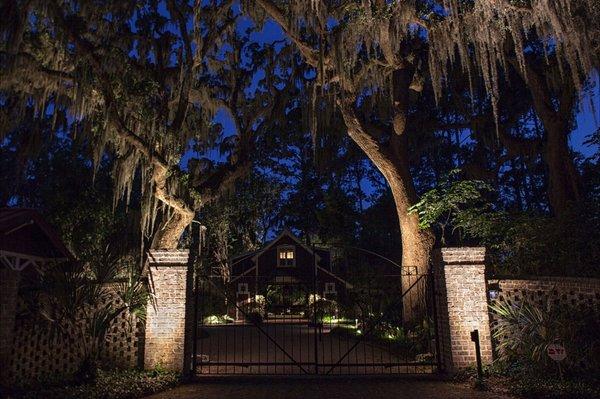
{"x": 581, "y": 294}
{"x": 462, "y": 303}
{"x": 38, "y": 352}
{"x": 165, "y": 320}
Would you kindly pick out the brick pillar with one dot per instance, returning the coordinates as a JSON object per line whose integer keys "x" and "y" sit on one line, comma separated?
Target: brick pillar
{"x": 165, "y": 319}
{"x": 9, "y": 289}
{"x": 462, "y": 303}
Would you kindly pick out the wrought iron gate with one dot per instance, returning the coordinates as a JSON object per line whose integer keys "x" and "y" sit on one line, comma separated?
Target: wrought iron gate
{"x": 278, "y": 325}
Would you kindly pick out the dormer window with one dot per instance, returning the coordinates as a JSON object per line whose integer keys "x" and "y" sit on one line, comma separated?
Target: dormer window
{"x": 286, "y": 256}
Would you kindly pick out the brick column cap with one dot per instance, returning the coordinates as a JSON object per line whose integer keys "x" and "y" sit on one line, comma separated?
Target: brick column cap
{"x": 461, "y": 255}
{"x": 178, "y": 257}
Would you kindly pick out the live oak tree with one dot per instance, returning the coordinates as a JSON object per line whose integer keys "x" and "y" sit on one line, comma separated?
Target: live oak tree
{"x": 143, "y": 80}
{"x": 554, "y": 101}
{"x": 371, "y": 57}
{"x": 146, "y": 78}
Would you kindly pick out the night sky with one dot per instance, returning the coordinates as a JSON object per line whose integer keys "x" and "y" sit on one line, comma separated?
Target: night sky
{"x": 587, "y": 118}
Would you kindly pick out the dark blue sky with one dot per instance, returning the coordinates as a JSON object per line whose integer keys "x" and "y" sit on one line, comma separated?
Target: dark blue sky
{"x": 587, "y": 122}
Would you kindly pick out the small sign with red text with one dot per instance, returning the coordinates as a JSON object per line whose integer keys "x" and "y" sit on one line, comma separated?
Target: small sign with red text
{"x": 556, "y": 352}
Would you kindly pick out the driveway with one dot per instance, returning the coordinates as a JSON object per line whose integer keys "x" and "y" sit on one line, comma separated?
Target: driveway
{"x": 315, "y": 388}
{"x": 291, "y": 349}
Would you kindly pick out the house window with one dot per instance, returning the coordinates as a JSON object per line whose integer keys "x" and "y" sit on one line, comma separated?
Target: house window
{"x": 286, "y": 256}
{"x": 330, "y": 288}
{"x": 243, "y": 288}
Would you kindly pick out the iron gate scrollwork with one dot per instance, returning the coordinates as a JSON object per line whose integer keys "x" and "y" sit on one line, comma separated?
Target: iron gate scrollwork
{"x": 282, "y": 325}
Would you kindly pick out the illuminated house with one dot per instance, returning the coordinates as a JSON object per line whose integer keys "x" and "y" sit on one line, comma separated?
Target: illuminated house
{"x": 288, "y": 269}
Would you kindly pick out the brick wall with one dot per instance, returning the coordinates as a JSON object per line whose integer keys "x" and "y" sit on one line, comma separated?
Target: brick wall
{"x": 580, "y": 294}
{"x": 9, "y": 284}
{"x": 38, "y": 352}
{"x": 31, "y": 351}
{"x": 166, "y": 316}
{"x": 462, "y": 303}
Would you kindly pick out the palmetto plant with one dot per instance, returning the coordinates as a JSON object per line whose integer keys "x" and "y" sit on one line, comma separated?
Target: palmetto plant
{"x": 524, "y": 330}
{"x": 82, "y": 303}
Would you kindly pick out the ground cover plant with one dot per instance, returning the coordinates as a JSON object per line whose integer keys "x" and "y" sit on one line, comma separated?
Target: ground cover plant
{"x": 522, "y": 333}
{"x": 112, "y": 384}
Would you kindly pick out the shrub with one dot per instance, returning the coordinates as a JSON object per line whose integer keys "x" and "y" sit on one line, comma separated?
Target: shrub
{"x": 116, "y": 384}
{"x": 524, "y": 331}
{"x": 217, "y": 319}
{"x": 254, "y": 309}
{"x": 552, "y": 388}
{"x": 320, "y": 308}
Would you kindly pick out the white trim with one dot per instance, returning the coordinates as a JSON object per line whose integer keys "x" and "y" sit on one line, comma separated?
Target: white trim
{"x": 18, "y": 261}
{"x": 285, "y": 232}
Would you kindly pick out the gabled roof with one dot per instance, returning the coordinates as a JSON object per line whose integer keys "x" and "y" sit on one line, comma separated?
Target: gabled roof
{"x": 285, "y": 233}
{"x": 27, "y": 239}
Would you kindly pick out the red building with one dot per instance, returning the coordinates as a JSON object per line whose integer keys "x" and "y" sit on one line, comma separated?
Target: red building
{"x": 286, "y": 274}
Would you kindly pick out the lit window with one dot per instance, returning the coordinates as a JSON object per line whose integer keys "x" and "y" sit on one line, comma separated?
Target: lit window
{"x": 243, "y": 288}
{"x": 286, "y": 256}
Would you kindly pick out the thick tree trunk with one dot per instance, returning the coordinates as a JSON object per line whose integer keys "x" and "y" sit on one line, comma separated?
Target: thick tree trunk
{"x": 563, "y": 178}
{"x": 171, "y": 228}
{"x": 417, "y": 243}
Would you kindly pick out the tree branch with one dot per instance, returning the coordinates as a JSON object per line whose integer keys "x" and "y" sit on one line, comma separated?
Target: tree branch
{"x": 160, "y": 164}
{"x": 52, "y": 73}
{"x": 310, "y": 56}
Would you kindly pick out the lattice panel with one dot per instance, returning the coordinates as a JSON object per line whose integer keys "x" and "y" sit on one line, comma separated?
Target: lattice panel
{"x": 580, "y": 294}
{"x": 123, "y": 340}
{"x": 38, "y": 353}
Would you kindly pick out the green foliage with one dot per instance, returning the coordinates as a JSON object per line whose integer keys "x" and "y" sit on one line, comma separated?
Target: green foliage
{"x": 217, "y": 319}
{"x": 213, "y": 303}
{"x": 117, "y": 384}
{"x": 519, "y": 243}
{"x": 444, "y": 203}
{"x": 79, "y": 305}
{"x": 240, "y": 221}
{"x": 254, "y": 317}
{"x": 284, "y": 296}
{"x": 534, "y": 244}
{"x": 523, "y": 332}
{"x": 523, "y": 381}
{"x": 76, "y": 199}
{"x": 554, "y": 388}
{"x": 318, "y": 308}
{"x": 254, "y": 309}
